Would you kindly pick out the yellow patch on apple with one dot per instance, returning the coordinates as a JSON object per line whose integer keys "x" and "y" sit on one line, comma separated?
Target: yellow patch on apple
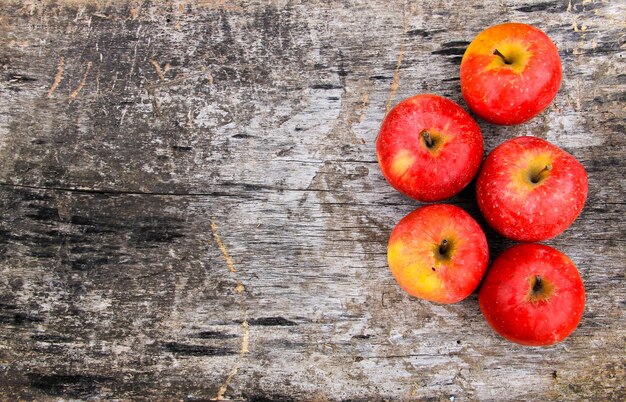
{"x": 531, "y": 171}
{"x": 402, "y": 162}
{"x": 514, "y": 55}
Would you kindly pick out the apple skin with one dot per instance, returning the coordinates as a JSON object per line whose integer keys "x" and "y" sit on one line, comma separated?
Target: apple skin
{"x": 415, "y": 258}
{"x": 522, "y": 210}
{"x": 534, "y": 317}
{"x": 429, "y": 173}
{"x": 512, "y": 93}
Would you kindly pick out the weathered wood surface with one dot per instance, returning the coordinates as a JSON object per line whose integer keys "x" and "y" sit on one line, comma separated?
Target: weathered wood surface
{"x": 191, "y": 205}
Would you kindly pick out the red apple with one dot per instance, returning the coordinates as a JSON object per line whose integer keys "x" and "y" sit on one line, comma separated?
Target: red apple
{"x": 510, "y": 73}
{"x": 429, "y": 148}
{"x": 439, "y": 253}
{"x": 532, "y": 295}
{"x": 530, "y": 190}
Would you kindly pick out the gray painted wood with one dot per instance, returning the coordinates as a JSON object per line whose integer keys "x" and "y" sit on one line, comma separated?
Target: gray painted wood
{"x": 192, "y": 209}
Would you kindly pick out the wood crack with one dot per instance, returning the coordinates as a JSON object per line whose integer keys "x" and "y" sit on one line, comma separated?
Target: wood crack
{"x": 157, "y": 69}
{"x": 122, "y": 192}
{"x": 395, "y": 84}
{"x": 58, "y": 77}
{"x": 245, "y": 327}
{"x": 86, "y": 190}
{"x": 81, "y": 84}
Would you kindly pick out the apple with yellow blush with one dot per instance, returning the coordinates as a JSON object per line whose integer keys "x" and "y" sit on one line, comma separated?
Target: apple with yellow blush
{"x": 438, "y": 253}
{"x": 429, "y": 148}
{"x": 531, "y": 190}
{"x": 510, "y": 73}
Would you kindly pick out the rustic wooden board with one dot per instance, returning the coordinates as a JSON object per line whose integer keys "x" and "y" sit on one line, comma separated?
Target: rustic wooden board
{"x": 192, "y": 209}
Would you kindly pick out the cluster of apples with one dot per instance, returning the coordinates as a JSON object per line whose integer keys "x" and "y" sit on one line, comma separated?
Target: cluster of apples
{"x": 529, "y": 190}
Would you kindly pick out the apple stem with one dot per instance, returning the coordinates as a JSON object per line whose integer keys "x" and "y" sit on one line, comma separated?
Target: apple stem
{"x": 497, "y": 53}
{"x": 538, "y": 284}
{"x": 429, "y": 141}
{"x": 537, "y": 177}
{"x": 443, "y": 247}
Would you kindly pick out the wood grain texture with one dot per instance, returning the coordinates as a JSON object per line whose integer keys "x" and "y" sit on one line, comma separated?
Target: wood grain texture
{"x": 192, "y": 208}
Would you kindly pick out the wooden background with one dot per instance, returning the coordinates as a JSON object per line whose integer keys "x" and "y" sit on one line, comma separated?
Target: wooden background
{"x": 192, "y": 209}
